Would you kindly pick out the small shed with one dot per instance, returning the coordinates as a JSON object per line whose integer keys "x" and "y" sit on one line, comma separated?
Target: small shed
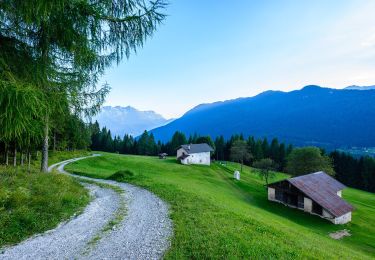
{"x": 163, "y": 155}
{"x": 316, "y": 193}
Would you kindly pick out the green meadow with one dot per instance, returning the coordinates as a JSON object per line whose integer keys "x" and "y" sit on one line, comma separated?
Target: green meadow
{"x": 34, "y": 202}
{"x": 216, "y": 216}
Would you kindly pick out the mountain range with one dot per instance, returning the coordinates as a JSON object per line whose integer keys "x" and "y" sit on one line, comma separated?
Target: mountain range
{"x": 355, "y": 87}
{"x": 128, "y": 120}
{"x": 329, "y": 118}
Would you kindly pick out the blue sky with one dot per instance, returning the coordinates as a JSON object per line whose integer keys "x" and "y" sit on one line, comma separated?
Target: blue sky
{"x": 211, "y": 50}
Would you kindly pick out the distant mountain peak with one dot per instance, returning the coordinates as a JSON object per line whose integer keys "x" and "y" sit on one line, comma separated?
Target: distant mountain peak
{"x": 355, "y": 87}
{"x": 313, "y": 87}
{"x": 129, "y": 120}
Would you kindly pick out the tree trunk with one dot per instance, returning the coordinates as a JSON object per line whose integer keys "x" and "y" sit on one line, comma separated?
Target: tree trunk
{"x": 266, "y": 177}
{"x": 21, "y": 158}
{"x": 29, "y": 161}
{"x": 6, "y": 157}
{"x": 15, "y": 157}
{"x": 44, "y": 162}
{"x": 54, "y": 141}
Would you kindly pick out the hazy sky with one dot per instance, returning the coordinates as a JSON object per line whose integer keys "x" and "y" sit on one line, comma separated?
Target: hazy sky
{"x": 210, "y": 50}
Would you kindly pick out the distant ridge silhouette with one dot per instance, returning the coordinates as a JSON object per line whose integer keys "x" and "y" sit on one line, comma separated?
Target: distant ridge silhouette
{"x": 325, "y": 117}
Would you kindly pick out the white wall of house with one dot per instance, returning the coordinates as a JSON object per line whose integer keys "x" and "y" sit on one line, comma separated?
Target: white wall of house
{"x": 307, "y": 204}
{"x": 184, "y": 161}
{"x": 339, "y": 193}
{"x": 199, "y": 158}
{"x": 343, "y": 219}
{"x": 271, "y": 193}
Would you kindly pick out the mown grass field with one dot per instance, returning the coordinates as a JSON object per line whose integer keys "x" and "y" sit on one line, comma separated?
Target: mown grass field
{"x": 35, "y": 202}
{"x": 215, "y": 216}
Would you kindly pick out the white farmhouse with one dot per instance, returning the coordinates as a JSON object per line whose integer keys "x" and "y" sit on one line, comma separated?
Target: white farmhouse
{"x": 194, "y": 154}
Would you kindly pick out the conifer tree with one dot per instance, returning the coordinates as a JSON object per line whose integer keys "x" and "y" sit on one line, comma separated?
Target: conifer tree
{"x": 71, "y": 43}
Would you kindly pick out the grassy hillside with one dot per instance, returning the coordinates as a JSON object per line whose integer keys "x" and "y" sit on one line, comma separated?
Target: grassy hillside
{"x": 34, "y": 202}
{"x": 215, "y": 216}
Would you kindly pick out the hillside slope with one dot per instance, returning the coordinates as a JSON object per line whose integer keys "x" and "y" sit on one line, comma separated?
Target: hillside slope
{"x": 311, "y": 116}
{"x": 216, "y": 217}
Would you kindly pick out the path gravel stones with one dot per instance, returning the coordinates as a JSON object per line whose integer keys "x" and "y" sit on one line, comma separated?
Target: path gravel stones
{"x": 143, "y": 233}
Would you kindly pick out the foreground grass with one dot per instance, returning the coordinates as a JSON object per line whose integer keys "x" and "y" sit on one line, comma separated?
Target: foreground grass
{"x": 34, "y": 202}
{"x": 217, "y": 217}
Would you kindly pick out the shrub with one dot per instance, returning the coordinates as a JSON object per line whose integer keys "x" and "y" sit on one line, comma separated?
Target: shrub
{"x": 123, "y": 175}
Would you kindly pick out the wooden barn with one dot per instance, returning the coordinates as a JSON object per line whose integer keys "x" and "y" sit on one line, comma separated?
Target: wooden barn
{"x": 316, "y": 193}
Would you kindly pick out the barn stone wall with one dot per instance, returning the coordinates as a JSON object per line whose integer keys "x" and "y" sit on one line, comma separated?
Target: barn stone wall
{"x": 307, "y": 204}
{"x": 271, "y": 193}
{"x": 343, "y": 219}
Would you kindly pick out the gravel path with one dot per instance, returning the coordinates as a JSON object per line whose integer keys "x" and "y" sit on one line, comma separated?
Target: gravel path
{"x": 143, "y": 233}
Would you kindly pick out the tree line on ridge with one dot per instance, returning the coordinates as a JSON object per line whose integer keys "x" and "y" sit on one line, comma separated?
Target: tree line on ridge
{"x": 353, "y": 172}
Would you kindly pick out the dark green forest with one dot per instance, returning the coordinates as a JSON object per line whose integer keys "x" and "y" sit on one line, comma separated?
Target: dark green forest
{"x": 353, "y": 172}
{"x": 74, "y": 134}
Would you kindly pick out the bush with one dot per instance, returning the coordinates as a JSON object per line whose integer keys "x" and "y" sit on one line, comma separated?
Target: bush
{"x": 122, "y": 176}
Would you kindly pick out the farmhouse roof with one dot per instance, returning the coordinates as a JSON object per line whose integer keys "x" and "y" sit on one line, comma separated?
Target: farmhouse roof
{"x": 196, "y": 148}
{"x": 323, "y": 189}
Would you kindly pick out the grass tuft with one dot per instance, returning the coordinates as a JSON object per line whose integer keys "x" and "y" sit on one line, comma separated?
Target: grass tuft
{"x": 122, "y": 176}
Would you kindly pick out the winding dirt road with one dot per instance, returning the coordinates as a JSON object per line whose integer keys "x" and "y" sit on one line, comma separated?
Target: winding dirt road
{"x": 143, "y": 228}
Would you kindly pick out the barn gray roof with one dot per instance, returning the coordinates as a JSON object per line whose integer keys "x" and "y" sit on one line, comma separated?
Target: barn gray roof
{"x": 323, "y": 189}
{"x": 320, "y": 179}
{"x": 196, "y": 148}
